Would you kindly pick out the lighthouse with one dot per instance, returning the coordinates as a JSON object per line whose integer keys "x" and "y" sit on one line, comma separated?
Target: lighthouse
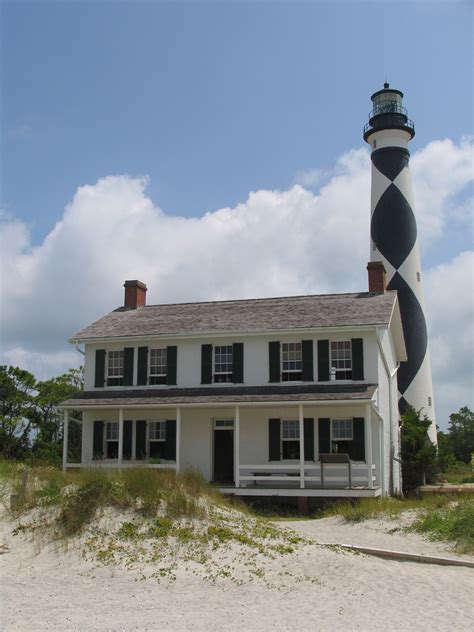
{"x": 394, "y": 240}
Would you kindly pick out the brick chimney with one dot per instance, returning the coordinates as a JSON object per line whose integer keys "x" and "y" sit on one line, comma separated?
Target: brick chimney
{"x": 377, "y": 276}
{"x": 135, "y": 294}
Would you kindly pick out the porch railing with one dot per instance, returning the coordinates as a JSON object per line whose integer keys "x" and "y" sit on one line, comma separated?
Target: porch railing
{"x": 114, "y": 464}
{"x": 334, "y": 475}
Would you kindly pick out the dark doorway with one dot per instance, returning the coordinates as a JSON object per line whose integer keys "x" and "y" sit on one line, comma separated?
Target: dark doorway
{"x": 224, "y": 456}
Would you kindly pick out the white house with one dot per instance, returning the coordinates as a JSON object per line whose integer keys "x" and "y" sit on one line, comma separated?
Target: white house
{"x": 291, "y": 396}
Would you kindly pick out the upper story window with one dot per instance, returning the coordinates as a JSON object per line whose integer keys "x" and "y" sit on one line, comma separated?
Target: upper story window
{"x": 291, "y": 361}
{"x": 341, "y": 359}
{"x": 115, "y": 368}
{"x": 290, "y": 439}
{"x": 158, "y": 366}
{"x": 223, "y": 363}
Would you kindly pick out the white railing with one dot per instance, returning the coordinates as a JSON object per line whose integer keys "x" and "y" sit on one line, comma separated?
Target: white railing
{"x": 114, "y": 464}
{"x": 334, "y": 475}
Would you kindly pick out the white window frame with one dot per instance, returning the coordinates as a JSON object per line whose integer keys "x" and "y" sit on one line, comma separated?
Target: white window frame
{"x": 333, "y": 360}
{"x": 113, "y": 368}
{"x": 162, "y": 375}
{"x": 113, "y": 426}
{"x": 288, "y": 372}
{"x": 295, "y": 424}
{"x": 228, "y": 374}
{"x": 110, "y": 437}
{"x": 160, "y": 425}
{"x": 343, "y": 421}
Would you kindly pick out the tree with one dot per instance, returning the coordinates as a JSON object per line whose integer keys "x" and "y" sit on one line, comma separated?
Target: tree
{"x": 48, "y": 420}
{"x": 417, "y": 452}
{"x": 29, "y": 419}
{"x": 461, "y": 432}
{"x": 17, "y": 388}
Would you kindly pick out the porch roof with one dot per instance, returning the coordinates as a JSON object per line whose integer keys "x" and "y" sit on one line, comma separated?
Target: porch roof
{"x": 221, "y": 395}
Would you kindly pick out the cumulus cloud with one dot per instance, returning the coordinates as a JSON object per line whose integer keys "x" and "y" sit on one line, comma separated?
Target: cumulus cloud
{"x": 449, "y": 292}
{"x": 275, "y": 243}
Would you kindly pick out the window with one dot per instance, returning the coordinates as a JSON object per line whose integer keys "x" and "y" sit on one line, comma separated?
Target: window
{"x": 342, "y": 431}
{"x": 115, "y": 368}
{"x": 291, "y": 361}
{"x": 156, "y": 439}
{"x": 223, "y": 363}
{"x": 158, "y": 366}
{"x": 290, "y": 439}
{"x": 111, "y": 440}
{"x": 223, "y": 423}
{"x": 341, "y": 359}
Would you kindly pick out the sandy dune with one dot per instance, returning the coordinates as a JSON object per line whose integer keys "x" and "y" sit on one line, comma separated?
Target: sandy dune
{"x": 314, "y": 589}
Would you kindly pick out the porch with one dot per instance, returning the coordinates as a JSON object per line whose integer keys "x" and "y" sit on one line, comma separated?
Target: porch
{"x": 250, "y": 448}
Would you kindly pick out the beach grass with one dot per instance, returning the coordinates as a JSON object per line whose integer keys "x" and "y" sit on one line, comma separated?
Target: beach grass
{"x": 444, "y": 517}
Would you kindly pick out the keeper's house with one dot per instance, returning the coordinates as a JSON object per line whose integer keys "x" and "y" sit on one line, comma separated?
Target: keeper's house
{"x": 283, "y": 396}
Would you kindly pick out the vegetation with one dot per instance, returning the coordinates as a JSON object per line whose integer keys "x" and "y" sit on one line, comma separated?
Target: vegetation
{"x": 417, "y": 453}
{"x": 456, "y": 447}
{"x": 30, "y": 425}
{"x": 146, "y": 516}
{"x": 441, "y": 517}
{"x": 453, "y": 522}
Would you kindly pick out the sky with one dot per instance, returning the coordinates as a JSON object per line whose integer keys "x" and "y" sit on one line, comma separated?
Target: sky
{"x": 214, "y": 150}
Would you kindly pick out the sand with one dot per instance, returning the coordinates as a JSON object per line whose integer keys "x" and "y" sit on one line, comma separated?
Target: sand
{"x": 315, "y": 588}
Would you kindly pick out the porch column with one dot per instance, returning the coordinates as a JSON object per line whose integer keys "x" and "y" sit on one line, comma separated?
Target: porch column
{"x": 65, "y": 438}
{"x": 301, "y": 424}
{"x": 120, "y": 442}
{"x": 178, "y": 439}
{"x": 237, "y": 447}
{"x": 368, "y": 444}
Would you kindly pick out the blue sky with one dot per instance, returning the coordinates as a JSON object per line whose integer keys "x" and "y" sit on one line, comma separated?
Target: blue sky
{"x": 139, "y": 138}
{"x": 213, "y": 99}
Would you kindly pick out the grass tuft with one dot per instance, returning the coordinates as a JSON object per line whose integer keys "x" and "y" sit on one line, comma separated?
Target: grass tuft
{"x": 452, "y": 523}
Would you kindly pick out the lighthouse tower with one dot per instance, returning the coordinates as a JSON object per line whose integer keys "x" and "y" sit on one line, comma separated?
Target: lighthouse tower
{"x": 394, "y": 240}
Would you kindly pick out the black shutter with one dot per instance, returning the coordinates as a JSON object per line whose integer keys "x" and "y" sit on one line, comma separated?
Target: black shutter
{"x": 127, "y": 439}
{"x": 98, "y": 442}
{"x": 142, "y": 366}
{"x": 357, "y": 449}
{"x": 307, "y": 353}
{"x": 357, "y": 359}
{"x": 309, "y": 439}
{"x": 323, "y": 360}
{"x": 274, "y": 440}
{"x": 99, "y": 368}
{"x": 274, "y": 361}
{"x": 170, "y": 446}
{"x": 324, "y": 435}
{"x": 128, "y": 354}
{"x": 238, "y": 362}
{"x": 171, "y": 365}
{"x": 141, "y": 439}
{"x": 206, "y": 364}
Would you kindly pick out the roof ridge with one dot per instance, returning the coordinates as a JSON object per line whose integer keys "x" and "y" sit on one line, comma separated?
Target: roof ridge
{"x": 266, "y": 298}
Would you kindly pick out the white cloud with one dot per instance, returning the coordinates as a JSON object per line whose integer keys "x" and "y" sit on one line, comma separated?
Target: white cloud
{"x": 275, "y": 243}
{"x": 449, "y": 292}
{"x": 442, "y": 172}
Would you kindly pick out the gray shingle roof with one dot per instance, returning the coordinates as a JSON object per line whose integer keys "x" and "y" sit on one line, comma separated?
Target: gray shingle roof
{"x": 264, "y": 314}
{"x": 224, "y": 395}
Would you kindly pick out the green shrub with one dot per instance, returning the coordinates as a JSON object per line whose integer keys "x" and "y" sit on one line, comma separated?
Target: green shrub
{"x": 453, "y": 522}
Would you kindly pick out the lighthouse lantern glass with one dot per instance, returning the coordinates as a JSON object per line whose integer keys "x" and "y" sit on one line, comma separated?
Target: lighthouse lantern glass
{"x": 387, "y": 102}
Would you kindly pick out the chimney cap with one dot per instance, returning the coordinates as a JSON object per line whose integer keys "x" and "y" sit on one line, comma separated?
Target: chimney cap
{"x": 135, "y": 283}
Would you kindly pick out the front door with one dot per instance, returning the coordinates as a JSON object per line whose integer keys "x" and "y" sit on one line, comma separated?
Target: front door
{"x": 223, "y": 455}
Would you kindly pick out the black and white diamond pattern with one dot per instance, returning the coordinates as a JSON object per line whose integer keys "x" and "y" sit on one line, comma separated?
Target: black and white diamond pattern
{"x": 394, "y": 236}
